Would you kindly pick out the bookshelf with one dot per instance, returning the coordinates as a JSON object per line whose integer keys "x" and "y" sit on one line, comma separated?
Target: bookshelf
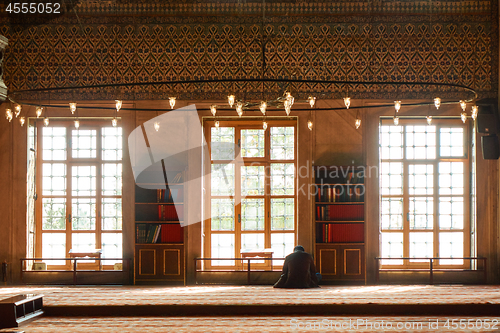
{"x": 159, "y": 237}
{"x": 339, "y": 212}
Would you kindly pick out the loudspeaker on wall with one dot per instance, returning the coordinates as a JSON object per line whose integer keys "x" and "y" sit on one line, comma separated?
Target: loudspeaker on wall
{"x": 487, "y": 119}
{"x": 490, "y": 147}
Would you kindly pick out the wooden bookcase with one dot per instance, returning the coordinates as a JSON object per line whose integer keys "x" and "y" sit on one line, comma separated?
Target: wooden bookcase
{"x": 339, "y": 223}
{"x": 159, "y": 237}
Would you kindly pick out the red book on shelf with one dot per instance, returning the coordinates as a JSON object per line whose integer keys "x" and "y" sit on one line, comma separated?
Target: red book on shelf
{"x": 347, "y": 213}
{"x": 172, "y": 233}
{"x": 347, "y": 233}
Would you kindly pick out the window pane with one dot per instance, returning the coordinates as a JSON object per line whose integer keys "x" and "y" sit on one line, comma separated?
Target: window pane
{"x": 54, "y": 214}
{"x": 112, "y": 179}
{"x": 252, "y": 143}
{"x": 83, "y": 242}
{"x": 83, "y": 180}
{"x": 391, "y": 142}
{"x": 222, "y": 214}
{"x": 222, "y": 179}
{"x": 54, "y": 246}
{"x": 83, "y": 143}
{"x": 392, "y": 213}
{"x": 54, "y": 143}
{"x": 451, "y": 245}
{"x": 111, "y": 247}
{"x": 282, "y": 143}
{"x": 421, "y": 213}
{"x": 420, "y": 142}
{"x": 282, "y": 245}
{"x": 54, "y": 179}
{"x": 252, "y": 242}
{"x": 111, "y": 214}
{"x": 391, "y": 178}
{"x": 421, "y": 245}
{"x": 252, "y": 214}
{"x": 451, "y": 178}
{"x": 392, "y": 247}
{"x": 112, "y": 143}
{"x": 252, "y": 180}
{"x": 282, "y": 214}
{"x": 421, "y": 179}
{"x": 222, "y": 247}
{"x": 222, "y": 143}
{"x": 83, "y": 214}
{"x": 282, "y": 179}
{"x": 451, "y": 142}
{"x": 451, "y": 213}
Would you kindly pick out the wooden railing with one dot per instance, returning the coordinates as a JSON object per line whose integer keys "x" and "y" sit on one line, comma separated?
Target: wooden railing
{"x": 243, "y": 269}
{"x": 75, "y": 270}
{"x": 431, "y": 268}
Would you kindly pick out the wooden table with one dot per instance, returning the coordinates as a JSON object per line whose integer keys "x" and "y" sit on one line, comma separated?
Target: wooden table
{"x": 95, "y": 253}
{"x": 258, "y": 253}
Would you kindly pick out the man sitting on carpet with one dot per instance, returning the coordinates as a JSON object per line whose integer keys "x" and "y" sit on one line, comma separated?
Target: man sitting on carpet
{"x": 298, "y": 271}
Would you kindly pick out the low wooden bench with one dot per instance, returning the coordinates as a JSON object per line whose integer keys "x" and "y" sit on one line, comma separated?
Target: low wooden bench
{"x": 20, "y": 309}
{"x": 431, "y": 268}
{"x": 244, "y": 267}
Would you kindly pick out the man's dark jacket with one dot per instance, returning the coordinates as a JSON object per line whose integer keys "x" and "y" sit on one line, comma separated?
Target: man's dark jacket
{"x": 298, "y": 272}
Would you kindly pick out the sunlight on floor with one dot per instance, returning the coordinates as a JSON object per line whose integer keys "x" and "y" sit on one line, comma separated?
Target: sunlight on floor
{"x": 189, "y": 290}
{"x": 23, "y": 290}
{"x": 376, "y": 289}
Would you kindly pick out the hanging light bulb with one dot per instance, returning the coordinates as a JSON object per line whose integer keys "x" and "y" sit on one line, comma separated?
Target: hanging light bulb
{"x": 264, "y": 125}
{"x": 239, "y": 108}
{"x": 289, "y": 98}
{"x": 22, "y": 121}
{"x": 437, "y": 102}
{"x": 397, "y": 105}
{"x": 310, "y": 125}
{"x": 38, "y": 111}
{"x": 217, "y": 124}
{"x": 172, "y": 102}
{"x": 114, "y": 122}
{"x": 156, "y": 125}
{"x": 429, "y": 120}
{"x": 230, "y": 100}
{"x": 213, "y": 109}
{"x": 474, "y": 112}
{"x": 72, "y": 107}
{"x": 312, "y": 101}
{"x": 357, "y": 123}
{"x": 46, "y": 121}
{"x": 463, "y": 105}
{"x": 463, "y": 116}
{"x": 77, "y": 123}
{"x": 8, "y": 115}
{"x": 263, "y": 107}
{"x": 347, "y": 102}
{"x": 18, "y": 110}
{"x": 396, "y": 120}
{"x": 288, "y": 106}
{"x": 118, "y": 104}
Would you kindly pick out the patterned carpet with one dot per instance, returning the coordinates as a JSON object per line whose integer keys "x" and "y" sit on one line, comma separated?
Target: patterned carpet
{"x": 257, "y": 324}
{"x": 261, "y": 296}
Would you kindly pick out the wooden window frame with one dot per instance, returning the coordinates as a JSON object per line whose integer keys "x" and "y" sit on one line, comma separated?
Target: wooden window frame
{"x": 466, "y": 160}
{"x": 69, "y": 162}
{"x": 266, "y": 161}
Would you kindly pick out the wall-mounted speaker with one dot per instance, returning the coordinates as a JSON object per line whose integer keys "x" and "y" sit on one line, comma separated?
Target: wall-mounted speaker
{"x": 487, "y": 116}
{"x": 490, "y": 147}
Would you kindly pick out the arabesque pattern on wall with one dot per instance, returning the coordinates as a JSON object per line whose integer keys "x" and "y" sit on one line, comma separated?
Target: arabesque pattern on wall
{"x": 455, "y": 42}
